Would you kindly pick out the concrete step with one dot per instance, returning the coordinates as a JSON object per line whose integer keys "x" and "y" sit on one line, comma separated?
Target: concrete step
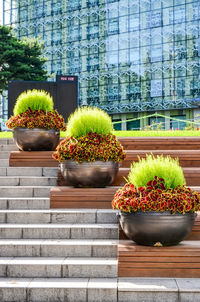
{"x": 81, "y": 216}
{"x": 158, "y": 289}
{"x": 8, "y": 147}
{"x": 4, "y": 163}
{"x": 24, "y": 191}
{"x": 62, "y": 267}
{"x": 4, "y": 154}
{"x": 58, "y": 231}
{"x": 59, "y": 289}
{"x": 28, "y": 171}
{"x": 58, "y": 248}
{"x": 7, "y": 141}
{"x": 27, "y": 181}
{"x": 24, "y": 203}
{"x": 99, "y": 289}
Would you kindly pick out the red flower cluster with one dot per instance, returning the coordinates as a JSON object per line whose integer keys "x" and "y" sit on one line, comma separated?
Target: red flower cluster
{"x": 90, "y": 147}
{"x": 155, "y": 197}
{"x": 37, "y": 119}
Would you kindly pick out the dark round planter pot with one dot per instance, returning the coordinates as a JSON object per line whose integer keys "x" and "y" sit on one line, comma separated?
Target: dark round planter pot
{"x": 36, "y": 139}
{"x": 96, "y": 174}
{"x": 157, "y": 228}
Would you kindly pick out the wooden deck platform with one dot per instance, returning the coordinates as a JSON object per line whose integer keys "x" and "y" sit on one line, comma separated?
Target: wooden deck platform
{"x": 181, "y": 261}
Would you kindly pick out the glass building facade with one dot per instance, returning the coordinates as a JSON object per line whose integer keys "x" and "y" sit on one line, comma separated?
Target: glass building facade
{"x": 133, "y": 57}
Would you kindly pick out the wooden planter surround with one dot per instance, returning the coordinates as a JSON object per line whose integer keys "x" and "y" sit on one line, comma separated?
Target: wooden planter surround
{"x": 181, "y": 261}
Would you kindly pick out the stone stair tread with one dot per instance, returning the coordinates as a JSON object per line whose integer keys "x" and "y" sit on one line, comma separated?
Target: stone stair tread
{"x": 24, "y": 198}
{"x": 59, "y": 248}
{"x": 21, "y": 187}
{"x": 58, "y": 242}
{"x": 4, "y": 162}
{"x": 57, "y": 260}
{"x": 70, "y": 211}
{"x": 56, "y": 283}
{"x": 52, "y": 226}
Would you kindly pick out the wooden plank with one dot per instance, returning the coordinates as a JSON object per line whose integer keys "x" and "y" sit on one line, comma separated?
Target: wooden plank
{"x": 93, "y": 198}
{"x": 168, "y": 273}
{"x": 178, "y": 261}
{"x": 160, "y": 143}
{"x": 32, "y": 159}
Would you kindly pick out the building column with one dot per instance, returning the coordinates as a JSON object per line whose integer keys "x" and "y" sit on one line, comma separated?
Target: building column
{"x": 196, "y": 116}
{"x": 167, "y": 120}
{"x": 123, "y": 118}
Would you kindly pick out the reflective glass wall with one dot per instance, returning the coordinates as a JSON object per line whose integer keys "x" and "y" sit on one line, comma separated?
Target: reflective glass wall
{"x": 130, "y": 56}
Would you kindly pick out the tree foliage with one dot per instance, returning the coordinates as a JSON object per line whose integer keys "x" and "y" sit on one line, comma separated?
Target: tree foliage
{"x": 20, "y": 59}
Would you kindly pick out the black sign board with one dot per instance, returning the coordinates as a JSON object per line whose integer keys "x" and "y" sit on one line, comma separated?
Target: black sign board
{"x": 64, "y": 93}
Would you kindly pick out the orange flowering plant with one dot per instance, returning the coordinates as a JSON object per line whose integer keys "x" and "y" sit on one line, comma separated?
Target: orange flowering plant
{"x": 90, "y": 147}
{"x": 156, "y": 197}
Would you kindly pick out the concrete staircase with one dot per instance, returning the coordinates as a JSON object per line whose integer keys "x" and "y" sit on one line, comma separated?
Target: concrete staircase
{"x": 51, "y": 255}
{"x": 65, "y": 255}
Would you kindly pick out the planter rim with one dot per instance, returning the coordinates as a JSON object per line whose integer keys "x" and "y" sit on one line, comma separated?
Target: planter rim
{"x": 34, "y": 128}
{"x": 168, "y": 213}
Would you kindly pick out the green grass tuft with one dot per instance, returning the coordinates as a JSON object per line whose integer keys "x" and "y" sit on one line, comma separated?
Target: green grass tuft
{"x": 164, "y": 167}
{"x": 34, "y": 99}
{"x": 89, "y": 119}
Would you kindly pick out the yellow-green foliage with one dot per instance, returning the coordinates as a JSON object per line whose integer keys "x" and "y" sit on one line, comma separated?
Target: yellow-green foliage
{"x": 34, "y": 99}
{"x": 89, "y": 119}
{"x": 164, "y": 167}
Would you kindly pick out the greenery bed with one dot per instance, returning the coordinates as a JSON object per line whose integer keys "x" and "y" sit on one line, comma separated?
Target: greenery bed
{"x": 133, "y": 133}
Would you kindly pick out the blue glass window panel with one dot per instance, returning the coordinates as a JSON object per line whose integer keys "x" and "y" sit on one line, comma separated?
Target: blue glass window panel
{"x": 113, "y": 10}
{"x": 155, "y": 19}
{"x": 134, "y": 56}
{"x": 145, "y": 37}
{"x": 179, "y": 14}
{"x": 112, "y": 43}
{"x": 155, "y": 4}
{"x": 134, "y": 22}
{"x": 74, "y": 5}
{"x": 113, "y": 26}
{"x": 112, "y": 58}
{"x": 156, "y": 53}
{"x": 134, "y": 39}
{"x": 145, "y": 5}
{"x": 134, "y": 6}
{"x": 74, "y": 34}
{"x": 123, "y": 7}
{"x": 156, "y": 88}
{"x": 123, "y": 24}
{"x": 123, "y": 41}
{"x": 168, "y": 34}
{"x": 124, "y": 56}
{"x": 156, "y": 35}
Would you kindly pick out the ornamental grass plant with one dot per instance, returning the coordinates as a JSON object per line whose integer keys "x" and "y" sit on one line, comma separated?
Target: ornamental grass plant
{"x": 89, "y": 138}
{"x": 161, "y": 166}
{"x": 89, "y": 120}
{"x": 156, "y": 184}
{"x": 34, "y": 99}
{"x": 34, "y": 109}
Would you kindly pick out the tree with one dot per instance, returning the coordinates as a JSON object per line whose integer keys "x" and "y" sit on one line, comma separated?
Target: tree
{"x": 20, "y": 59}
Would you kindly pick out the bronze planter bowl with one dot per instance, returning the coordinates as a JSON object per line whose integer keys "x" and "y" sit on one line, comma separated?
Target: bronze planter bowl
{"x": 157, "y": 228}
{"x": 96, "y": 174}
{"x": 36, "y": 139}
